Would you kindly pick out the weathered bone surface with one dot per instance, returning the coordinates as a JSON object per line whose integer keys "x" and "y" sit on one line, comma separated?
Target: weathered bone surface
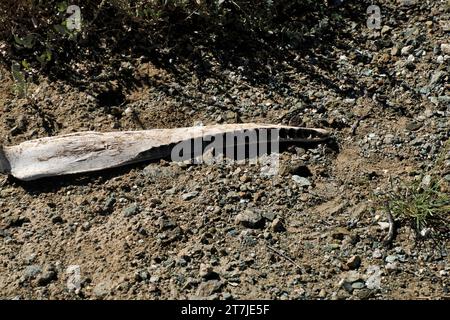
{"x": 93, "y": 151}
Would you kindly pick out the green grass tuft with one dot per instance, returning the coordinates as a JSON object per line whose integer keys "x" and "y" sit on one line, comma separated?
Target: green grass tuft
{"x": 425, "y": 208}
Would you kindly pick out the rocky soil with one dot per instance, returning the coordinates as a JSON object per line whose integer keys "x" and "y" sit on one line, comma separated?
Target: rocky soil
{"x": 175, "y": 231}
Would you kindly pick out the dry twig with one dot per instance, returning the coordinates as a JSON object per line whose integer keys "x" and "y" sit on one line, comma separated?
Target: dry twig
{"x": 284, "y": 256}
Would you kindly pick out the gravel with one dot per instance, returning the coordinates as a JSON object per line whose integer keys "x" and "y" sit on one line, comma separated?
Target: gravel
{"x": 301, "y": 181}
{"x": 32, "y": 271}
{"x": 250, "y": 219}
{"x": 101, "y": 290}
{"x": 353, "y": 262}
{"x": 277, "y": 225}
{"x": 166, "y": 230}
{"x": 131, "y": 210}
{"x": 189, "y": 195}
{"x": 374, "y": 277}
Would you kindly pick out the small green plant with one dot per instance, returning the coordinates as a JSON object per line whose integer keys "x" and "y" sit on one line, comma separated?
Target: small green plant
{"x": 26, "y": 42}
{"x": 423, "y": 204}
{"x": 39, "y": 48}
{"x": 425, "y": 208}
{"x": 45, "y": 57}
{"x": 21, "y": 84}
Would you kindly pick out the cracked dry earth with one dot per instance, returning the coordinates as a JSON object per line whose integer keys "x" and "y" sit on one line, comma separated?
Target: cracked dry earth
{"x": 165, "y": 230}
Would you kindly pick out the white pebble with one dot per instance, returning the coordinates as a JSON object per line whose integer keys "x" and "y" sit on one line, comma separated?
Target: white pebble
{"x": 128, "y": 111}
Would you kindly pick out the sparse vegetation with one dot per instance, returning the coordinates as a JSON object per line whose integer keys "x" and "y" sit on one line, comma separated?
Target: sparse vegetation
{"x": 426, "y": 209}
{"x": 423, "y": 204}
{"x": 37, "y": 36}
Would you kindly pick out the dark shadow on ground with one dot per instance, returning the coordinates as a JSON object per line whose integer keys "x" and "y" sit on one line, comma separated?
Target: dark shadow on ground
{"x": 298, "y": 44}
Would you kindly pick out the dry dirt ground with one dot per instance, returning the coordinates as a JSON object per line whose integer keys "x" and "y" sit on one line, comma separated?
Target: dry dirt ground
{"x": 169, "y": 231}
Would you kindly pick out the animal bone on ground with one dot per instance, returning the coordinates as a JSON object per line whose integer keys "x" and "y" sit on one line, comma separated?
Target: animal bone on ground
{"x": 93, "y": 151}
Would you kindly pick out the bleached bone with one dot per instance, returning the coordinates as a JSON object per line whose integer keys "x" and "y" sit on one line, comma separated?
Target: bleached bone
{"x": 93, "y": 151}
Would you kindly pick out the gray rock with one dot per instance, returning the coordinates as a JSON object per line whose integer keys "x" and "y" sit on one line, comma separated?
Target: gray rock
{"x": 392, "y": 266}
{"x": 269, "y": 215}
{"x": 277, "y": 225}
{"x": 300, "y": 151}
{"x": 227, "y": 296}
{"x": 171, "y": 191}
{"x": 301, "y": 181}
{"x": 394, "y": 51}
{"x": 373, "y": 281}
{"x": 426, "y": 181}
{"x": 349, "y": 278}
{"x": 333, "y": 246}
{"x": 437, "y": 76}
{"x": 347, "y": 286}
{"x": 425, "y": 232}
{"x": 101, "y": 290}
{"x": 413, "y": 126}
{"x": 434, "y": 100}
{"x": 353, "y": 262}
{"x": 230, "y": 115}
{"x": 384, "y": 225}
{"x": 358, "y": 285}
{"x": 131, "y": 210}
{"x": 389, "y": 139}
{"x": 128, "y": 111}
{"x": 86, "y": 226}
{"x": 385, "y": 29}
{"x": 182, "y": 262}
{"x": 391, "y": 258}
{"x": 109, "y": 204}
{"x": 29, "y": 259}
{"x": 142, "y": 275}
{"x": 74, "y": 278}
{"x": 445, "y": 48}
{"x": 165, "y": 223}
{"x": 32, "y": 271}
{"x": 4, "y": 233}
{"x": 322, "y": 294}
{"x": 377, "y": 254}
{"x": 250, "y": 219}
{"x": 399, "y": 250}
{"x": 208, "y": 288}
{"x": 406, "y": 50}
{"x": 189, "y": 195}
{"x": 352, "y": 276}
{"x": 444, "y": 99}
